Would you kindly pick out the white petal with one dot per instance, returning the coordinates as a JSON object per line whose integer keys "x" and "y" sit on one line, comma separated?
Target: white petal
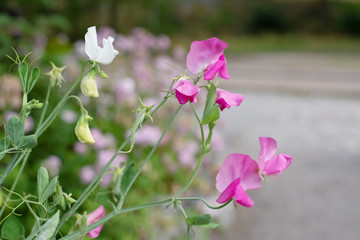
{"x": 91, "y": 45}
{"x": 107, "y": 53}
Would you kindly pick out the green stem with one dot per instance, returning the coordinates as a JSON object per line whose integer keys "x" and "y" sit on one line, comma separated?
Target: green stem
{"x": 201, "y": 158}
{"x": 202, "y": 154}
{"x": 75, "y": 235}
{"x": 185, "y": 217}
{"x": 24, "y": 102}
{"x": 92, "y": 186}
{"x": 204, "y": 201}
{"x": 14, "y": 184}
{"x": 46, "y": 104}
{"x": 60, "y": 105}
{"x": 12, "y": 164}
{"x": 122, "y": 199}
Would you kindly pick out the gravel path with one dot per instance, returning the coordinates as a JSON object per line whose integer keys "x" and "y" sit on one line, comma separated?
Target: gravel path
{"x": 311, "y": 105}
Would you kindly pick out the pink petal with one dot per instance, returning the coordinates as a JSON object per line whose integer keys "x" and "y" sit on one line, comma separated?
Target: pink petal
{"x": 242, "y": 198}
{"x": 93, "y": 217}
{"x": 277, "y": 164}
{"x": 223, "y": 73}
{"x": 185, "y": 91}
{"x": 213, "y": 69}
{"x": 95, "y": 232}
{"x": 229, "y": 192}
{"x": 241, "y": 166}
{"x": 268, "y": 147}
{"x": 227, "y": 99}
{"x": 203, "y": 53}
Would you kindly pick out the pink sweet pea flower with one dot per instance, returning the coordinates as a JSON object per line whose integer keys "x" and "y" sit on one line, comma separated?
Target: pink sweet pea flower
{"x": 94, "y": 217}
{"x": 237, "y": 174}
{"x": 208, "y": 56}
{"x": 227, "y": 99}
{"x": 185, "y": 91}
{"x": 269, "y": 163}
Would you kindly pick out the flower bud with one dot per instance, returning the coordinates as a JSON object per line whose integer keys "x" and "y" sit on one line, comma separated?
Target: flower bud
{"x": 82, "y": 130}
{"x": 88, "y": 84}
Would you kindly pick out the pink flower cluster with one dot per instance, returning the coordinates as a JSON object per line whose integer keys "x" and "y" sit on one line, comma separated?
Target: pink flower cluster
{"x": 240, "y": 172}
{"x": 206, "y": 57}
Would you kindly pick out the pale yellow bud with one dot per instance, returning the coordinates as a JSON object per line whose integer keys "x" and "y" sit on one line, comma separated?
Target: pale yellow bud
{"x": 88, "y": 85}
{"x": 82, "y": 131}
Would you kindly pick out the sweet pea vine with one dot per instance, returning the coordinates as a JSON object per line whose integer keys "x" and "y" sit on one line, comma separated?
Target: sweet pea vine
{"x": 52, "y": 207}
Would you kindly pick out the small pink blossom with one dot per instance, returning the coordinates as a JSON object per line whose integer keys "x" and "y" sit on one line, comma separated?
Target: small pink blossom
{"x": 185, "y": 91}
{"x": 102, "y": 140}
{"x": 269, "y": 162}
{"x": 87, "y": 174}
{"x": 104, "y": 156}
{"x": 80, "y": 148}
{"x": 148, "y": 135}
{"x": 237, "y": 174}
{"x": 52, "y": 164}
{"x": 69, "y": 116}
{"x": 208, "y": 56}
{"x": 93, "y": 217}
{"x": 227, "y": 99}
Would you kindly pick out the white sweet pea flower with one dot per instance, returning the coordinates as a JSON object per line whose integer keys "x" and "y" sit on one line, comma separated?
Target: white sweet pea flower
{"x": 104, "y": 55}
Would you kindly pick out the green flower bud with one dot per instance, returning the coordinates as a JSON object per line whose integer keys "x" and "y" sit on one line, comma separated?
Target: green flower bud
{"x": 82, "y": 130}
{"x": 88, "y": 84}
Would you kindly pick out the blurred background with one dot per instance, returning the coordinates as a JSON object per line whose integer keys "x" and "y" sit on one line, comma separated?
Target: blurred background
{"x": 297, "y": 63}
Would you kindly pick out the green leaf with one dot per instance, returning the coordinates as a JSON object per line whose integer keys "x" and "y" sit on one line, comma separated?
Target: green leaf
{"x": 34, "y": 76}
{"x": 127, "y": 177}
{"x": 49, "y": 190}
{"x": 212, "y": 110}
{"x": 48, "y": 228}
{"x": 15, "y": 129}
{"x": 23, "y": 71}
{"x": 203, "y": 219}
{"x": 212, "y": 115}
{"x": 4, "y": 145}
{"x": 211, "y": 225}
{"x": 42, "y": 180}
{"x": 28, "y": 141}
{"x": 12, "y": 229}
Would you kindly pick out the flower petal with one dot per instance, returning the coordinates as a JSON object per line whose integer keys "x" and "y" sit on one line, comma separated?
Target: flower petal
{"x": 185, "y": 91}
{"x": 95, "y": 232}
{"x": 277, "y": 164}
{"x": 203, "y": 53}
{"x": 227, "y": 99}
{"x": 91, "y": 44}
{"x": 96, "y": 215}
{"x": 107, "y": 53}
{"x": 223, "y": 73}
{"x": 268, "y": 147}
{"x": 242, "y": 198}
{"x": 93, "y": 217}
{"x": 213, "y": 69}
{"x": 241, "y": 166}
{"x": 229, "y": 192}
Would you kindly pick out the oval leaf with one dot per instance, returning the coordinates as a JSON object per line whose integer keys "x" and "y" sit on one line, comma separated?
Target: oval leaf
{"x": 127, "y": 177}
{"x": 211, "y": 111}
{"x": 23, "y": 70}
{"x": 28, "y": 141}
{"x": 203, "y": 219}
{"x": 15, "y": 129}
{"x": 35, "y": 74}
{"x": 12, "y": 229}
{"x": 42, "y": 180}
{"x": 48, "y": 228}
{"x": 4, "y": 145}
{"x": 49, "y": 190}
